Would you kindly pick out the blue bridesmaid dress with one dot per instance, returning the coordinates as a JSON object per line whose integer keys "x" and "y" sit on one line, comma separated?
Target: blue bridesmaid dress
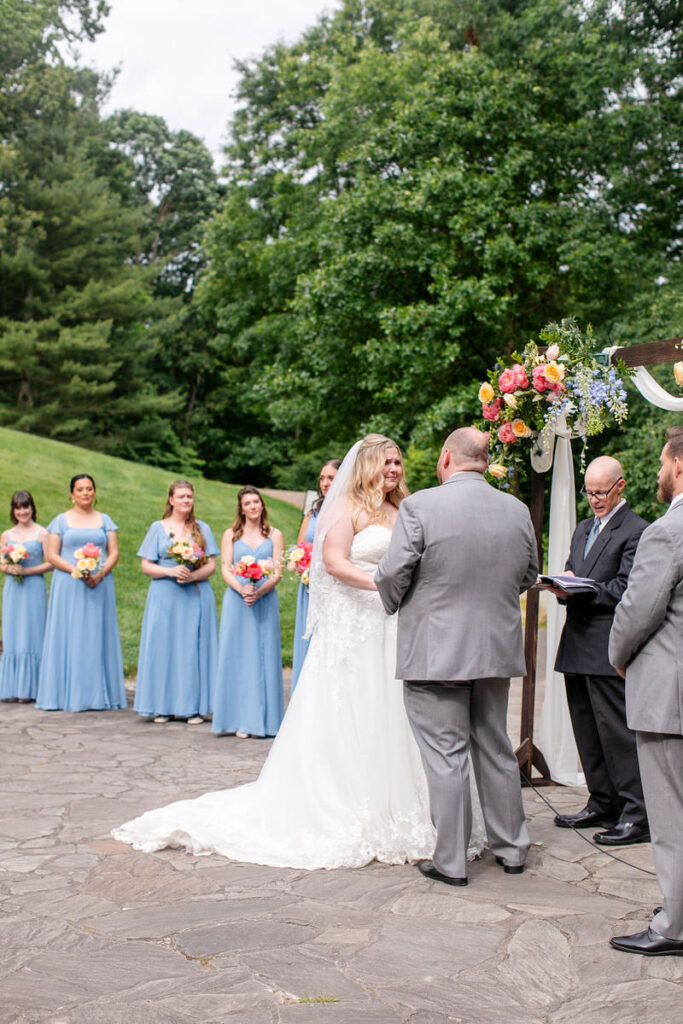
{"x": 179, "y": 639}
{"x": 23, "y": 628}
{"x": 249, "y": 696}
{"x": 82, "y": 666}
{"x": 301, "y": 645}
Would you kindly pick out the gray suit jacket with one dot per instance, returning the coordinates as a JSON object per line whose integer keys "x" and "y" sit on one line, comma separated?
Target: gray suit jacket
{"x": 459, "y": 557}
{"x": 647, "y": 635}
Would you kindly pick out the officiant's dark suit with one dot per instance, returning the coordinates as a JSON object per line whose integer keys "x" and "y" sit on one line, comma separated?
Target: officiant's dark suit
{"x": 595, "y": 692}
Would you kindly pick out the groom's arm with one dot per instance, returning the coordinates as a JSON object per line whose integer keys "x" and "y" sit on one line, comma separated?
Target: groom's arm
{"x": 395, "y": 572}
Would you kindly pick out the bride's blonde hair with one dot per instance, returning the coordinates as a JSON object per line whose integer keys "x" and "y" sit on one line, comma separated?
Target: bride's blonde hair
{"x": 366, "y": 489}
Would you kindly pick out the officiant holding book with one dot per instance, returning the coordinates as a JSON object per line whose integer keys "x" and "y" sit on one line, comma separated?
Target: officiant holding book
{"x": 603, "y": 548}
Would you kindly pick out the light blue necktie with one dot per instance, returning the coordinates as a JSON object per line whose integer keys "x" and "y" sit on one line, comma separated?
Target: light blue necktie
{"x": 592, "y": 536}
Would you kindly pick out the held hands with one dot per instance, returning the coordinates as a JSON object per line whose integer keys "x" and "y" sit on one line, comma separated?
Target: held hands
{"x": 12, "y": 570}
{"x": 93, "y": 579}
{"x": 180, "y": 573}
{"x": 250, "y": 594}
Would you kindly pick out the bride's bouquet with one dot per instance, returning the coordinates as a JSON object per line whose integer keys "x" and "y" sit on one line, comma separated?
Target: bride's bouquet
{"x": 252, "y": 569}
{"x": 13, "y": 553}
{"x": 186, "y": 552}
{"x": 87, "y": 561}
{"x": 298, "y": 560}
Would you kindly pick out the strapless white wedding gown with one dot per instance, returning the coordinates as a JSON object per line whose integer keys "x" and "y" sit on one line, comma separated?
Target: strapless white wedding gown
{"x": 343, "y": 783}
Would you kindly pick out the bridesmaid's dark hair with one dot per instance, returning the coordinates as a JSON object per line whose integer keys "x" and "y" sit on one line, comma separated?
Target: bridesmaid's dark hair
{"x": 191, "y": 521}
{"x": 317, "y": 504}
{"x": 22, "y": 499}
{"x": 80, "y": 476}
{"x": 240, "y": 518}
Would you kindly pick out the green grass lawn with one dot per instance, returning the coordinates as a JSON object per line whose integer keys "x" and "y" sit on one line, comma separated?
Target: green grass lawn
{"x": 134, "y": 496}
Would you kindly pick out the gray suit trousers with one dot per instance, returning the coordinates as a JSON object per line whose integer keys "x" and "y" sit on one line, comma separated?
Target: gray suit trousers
{"x": 450, "y": 720}
{"x": 661, "y": 769}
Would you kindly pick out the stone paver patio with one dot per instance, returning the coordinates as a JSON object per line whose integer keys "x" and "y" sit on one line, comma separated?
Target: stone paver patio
{"x": 92, "y": 931}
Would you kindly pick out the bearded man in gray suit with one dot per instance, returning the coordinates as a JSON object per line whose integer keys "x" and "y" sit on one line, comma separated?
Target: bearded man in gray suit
{"x": 646, "y": 646}
{"x": 460, "y": 556}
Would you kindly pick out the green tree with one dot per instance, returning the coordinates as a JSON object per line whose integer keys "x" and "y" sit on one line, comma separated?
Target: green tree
{"x": 414, "y": 187}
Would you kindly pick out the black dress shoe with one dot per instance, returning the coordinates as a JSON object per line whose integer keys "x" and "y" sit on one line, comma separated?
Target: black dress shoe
{"x": 429, "y": 871}
{"x": 626, "y": 833}
{"x": 648, "y": 943}
{"x": 585, "y": 819}
{"x": 510, "y": 869}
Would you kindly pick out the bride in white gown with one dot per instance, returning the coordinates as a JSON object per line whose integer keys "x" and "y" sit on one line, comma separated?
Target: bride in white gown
{"x": 343, "y": 783}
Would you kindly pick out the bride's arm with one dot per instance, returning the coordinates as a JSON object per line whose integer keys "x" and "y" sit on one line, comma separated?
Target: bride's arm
{"x": 336, "y": 548}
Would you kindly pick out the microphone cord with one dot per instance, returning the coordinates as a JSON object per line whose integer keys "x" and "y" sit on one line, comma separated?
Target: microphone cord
{"x": 579, "y": 833}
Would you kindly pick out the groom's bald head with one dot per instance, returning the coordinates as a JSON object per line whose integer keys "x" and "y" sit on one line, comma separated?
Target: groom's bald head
{"x": 466, "y": 449}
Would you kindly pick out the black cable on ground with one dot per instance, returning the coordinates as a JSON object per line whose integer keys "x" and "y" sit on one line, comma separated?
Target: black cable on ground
{"x": 600, "y": 849}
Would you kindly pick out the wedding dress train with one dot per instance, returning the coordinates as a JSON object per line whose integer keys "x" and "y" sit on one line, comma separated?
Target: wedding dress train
{"x": 343, "y": 783}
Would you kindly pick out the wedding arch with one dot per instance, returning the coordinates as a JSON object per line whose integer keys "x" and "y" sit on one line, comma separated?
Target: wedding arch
{"x": 555, "y": 756}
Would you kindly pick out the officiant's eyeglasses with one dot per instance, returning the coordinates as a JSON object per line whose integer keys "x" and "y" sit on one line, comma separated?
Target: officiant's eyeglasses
{"x": 600, "y": 495}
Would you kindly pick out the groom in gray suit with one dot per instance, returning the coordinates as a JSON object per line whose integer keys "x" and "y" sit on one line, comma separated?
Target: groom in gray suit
{"x": 646, "y": 645}
{"x": 460, "y": 556}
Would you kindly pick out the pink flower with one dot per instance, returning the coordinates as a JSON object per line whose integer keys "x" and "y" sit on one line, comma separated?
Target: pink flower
{"x": 540, "y": 379}
{"x": 492, "y": 410}
{"x": 507, "y": 382}
{"x": 520, "y": 377}
{"x": 506, "y": 434}
{"x": 91, "y": 550}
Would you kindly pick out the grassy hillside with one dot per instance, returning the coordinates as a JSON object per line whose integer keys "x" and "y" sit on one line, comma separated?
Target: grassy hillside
{"x": 134, "y": 496}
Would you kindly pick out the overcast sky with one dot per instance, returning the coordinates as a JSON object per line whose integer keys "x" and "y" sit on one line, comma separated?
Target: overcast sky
{"x": 176, "y": 56}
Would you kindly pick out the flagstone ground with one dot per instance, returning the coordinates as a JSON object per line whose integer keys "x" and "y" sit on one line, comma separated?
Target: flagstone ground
{"x": 92, "y": 932}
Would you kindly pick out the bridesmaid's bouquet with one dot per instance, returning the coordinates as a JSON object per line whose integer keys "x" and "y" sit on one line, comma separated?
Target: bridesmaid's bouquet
{"x": 299, "y": 560}
{"x": 253, "y": 569}
{"x": 87, "y": 561}
{"x": 14, "y": 553}
{"x": 186, "y": 552}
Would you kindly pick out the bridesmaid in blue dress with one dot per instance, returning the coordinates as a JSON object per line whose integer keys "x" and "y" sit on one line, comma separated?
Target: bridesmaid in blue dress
{"x": 249, "y": 697}
{"x": 23, "y": 603}
{"x": 307, "y": 533}
{"x": 179, "y": 640}
{"x": 82, "y": 666}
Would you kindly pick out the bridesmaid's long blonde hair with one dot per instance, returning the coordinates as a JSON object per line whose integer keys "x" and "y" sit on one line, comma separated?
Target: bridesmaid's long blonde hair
{"x": 366, "y": 489}
{"x": 191, "y": 521}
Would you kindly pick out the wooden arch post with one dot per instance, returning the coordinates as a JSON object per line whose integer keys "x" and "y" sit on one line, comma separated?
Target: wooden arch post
{"x": 528, "y": 755}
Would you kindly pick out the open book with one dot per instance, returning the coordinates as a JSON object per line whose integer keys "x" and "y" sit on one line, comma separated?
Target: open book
{"x": 570, "y": 584}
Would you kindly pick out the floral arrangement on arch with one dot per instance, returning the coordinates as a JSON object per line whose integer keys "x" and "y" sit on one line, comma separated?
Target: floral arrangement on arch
{"x": 529, "y": 392}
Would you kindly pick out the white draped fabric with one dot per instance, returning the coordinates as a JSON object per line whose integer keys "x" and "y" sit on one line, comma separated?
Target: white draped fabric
{"x": 555, "y": 738}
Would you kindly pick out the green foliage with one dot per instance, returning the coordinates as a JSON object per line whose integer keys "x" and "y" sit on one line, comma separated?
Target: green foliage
{"x": 415, "y": 186}
{"x": 134, "y": 496}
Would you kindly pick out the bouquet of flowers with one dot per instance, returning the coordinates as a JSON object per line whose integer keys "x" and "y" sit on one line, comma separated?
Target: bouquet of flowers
{"x": 12, "y": 554}
{"x": 252, "y": 569}
{"x": 87, "y": 561}
{"x": 186, "y": 552}
{"x": 298, "y": 560}
{"x": 528, "y": 392}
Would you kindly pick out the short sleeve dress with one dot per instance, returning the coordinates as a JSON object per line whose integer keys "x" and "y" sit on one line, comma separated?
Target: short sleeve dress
{"x": 179, "y": 639}
{"x": 82, "y": 665}
{"x": 23, "y": 628}
{"x": 248, "y": 693}
{"x": 301, "y": 644}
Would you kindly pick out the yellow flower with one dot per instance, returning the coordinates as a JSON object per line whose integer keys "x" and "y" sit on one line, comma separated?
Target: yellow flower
{"x": 554, "y": 373}
{"x": 678, "y": 373}
{"x": 498, "y": 470}
{"x": 520, "y": 428}
{"x": 510, "y": 400}
{"x": 486, "y": 393}
{"x": 247, "y": 560}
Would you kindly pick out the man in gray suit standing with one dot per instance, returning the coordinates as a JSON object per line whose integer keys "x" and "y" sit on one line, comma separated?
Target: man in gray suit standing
{"x": 459, "y": 557}
{"x": 646, "y": 645}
